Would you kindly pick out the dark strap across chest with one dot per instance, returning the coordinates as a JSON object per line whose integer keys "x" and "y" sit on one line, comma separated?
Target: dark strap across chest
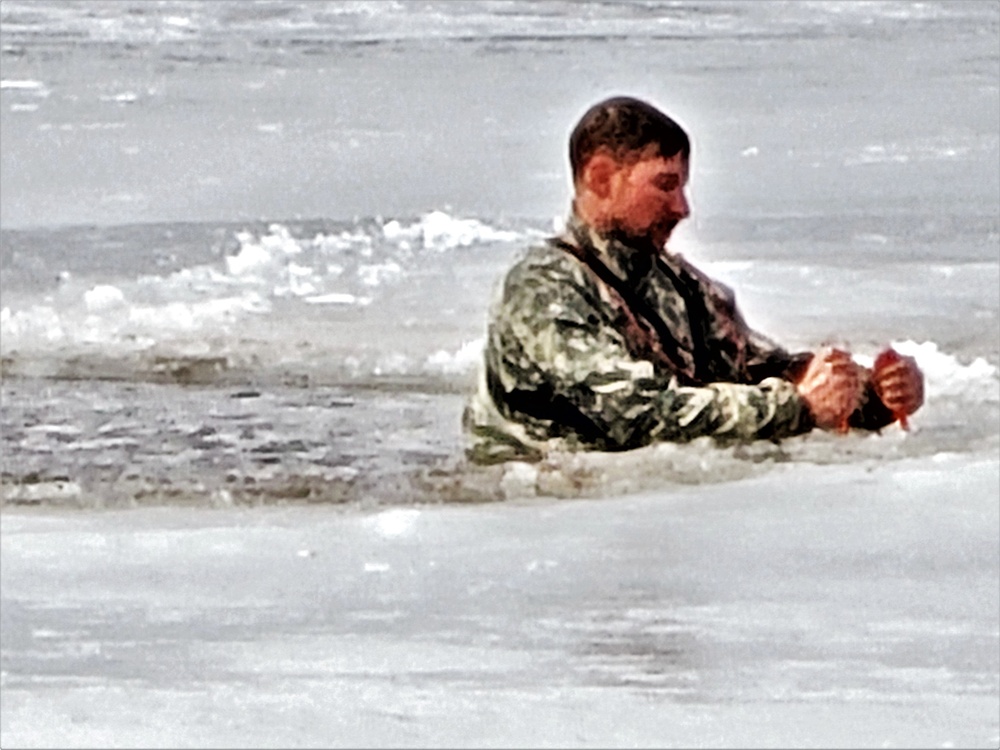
{"x": 647, "y": 334}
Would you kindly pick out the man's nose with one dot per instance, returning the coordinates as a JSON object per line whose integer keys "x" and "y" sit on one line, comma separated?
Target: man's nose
{"x": 680, "y": 205}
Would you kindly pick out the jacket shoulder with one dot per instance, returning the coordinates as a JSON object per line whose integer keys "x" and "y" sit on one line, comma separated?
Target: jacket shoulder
{"x": 544, "y": 265}
{"x": 547, "y": 286}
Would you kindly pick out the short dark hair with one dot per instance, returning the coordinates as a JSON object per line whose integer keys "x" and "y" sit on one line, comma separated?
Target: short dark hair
{"x": 625, "y": 126}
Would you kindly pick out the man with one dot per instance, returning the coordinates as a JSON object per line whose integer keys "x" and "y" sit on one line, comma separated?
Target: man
{"x": 602, "y": 339}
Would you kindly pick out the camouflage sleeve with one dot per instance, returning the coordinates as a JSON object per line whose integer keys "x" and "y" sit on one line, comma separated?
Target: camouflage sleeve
{"x": 766, "y": 359}
{"x": 552, "y": 336}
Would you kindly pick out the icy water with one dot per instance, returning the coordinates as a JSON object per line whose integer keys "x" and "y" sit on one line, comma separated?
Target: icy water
{"x": 246, "y": 254}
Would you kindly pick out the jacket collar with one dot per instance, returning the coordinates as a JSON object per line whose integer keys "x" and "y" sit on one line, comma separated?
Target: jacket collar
{"x": 626, "y": 259}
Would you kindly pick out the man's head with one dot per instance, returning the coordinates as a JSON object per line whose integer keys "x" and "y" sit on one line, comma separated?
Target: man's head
{"x": 630, "y": 168}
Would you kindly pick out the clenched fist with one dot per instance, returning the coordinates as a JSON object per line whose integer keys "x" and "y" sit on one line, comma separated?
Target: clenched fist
{"x": 831, "y": 387}
{"x": 899, "y": 383}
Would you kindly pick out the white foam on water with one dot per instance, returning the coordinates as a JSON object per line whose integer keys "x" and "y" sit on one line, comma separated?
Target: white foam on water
{"x": 342, "y": 241}
{"x": 103, "y": 297}
{"x": 186, "y": 317}
{"x": 38, "y": 324}
{"x": 464, "y": 360}
{"x": 107, "y": 317}
{"x": 440, "y": 231}
{"x": 250, "y": 257}
{"x": 256, "y": 254}
{"x": 271, "y": 277}
{"x": 375, "y": 274}
{"x": 945, "y": 375}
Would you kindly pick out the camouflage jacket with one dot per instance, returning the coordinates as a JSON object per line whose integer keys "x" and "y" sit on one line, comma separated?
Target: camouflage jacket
{"x": 593, "y": 344}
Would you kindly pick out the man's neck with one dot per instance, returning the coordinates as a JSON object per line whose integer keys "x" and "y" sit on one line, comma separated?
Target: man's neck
{"x": 626, "y": 256}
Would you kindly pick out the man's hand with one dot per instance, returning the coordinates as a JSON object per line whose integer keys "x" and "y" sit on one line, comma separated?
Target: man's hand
{"x": 831, "y": 387}
{"x": 899, "y": 383}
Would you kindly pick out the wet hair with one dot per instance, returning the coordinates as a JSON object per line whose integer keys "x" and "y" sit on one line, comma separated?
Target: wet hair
{"x": 625, "y": 127}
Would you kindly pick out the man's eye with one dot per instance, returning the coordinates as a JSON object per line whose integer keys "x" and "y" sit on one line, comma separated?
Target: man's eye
{"x": 667, "y": 182}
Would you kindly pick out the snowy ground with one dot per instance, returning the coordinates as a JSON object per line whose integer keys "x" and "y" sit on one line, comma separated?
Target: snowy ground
{"x": 811, "y": 607}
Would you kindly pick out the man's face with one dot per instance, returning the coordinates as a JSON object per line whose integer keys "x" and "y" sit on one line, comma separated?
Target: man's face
{"x": 647, "y": 197}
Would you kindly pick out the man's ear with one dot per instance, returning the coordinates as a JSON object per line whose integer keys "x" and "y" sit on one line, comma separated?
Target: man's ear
{"x": 597, "y": 173}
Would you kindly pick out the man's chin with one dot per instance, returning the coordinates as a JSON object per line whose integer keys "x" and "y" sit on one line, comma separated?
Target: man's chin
{"x": 661, "y": 232}
{"x": 656, "y": 235}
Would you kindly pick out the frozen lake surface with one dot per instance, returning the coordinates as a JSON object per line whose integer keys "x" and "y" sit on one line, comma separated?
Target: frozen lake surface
{"x": 831, "y": 609}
